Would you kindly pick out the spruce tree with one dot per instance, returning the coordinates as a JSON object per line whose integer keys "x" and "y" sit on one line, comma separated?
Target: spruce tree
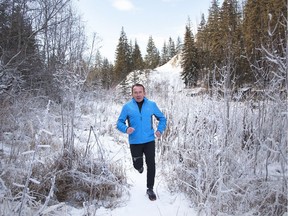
{"x": 137, "y": 60}
{"x": 214, "y": 34}
{"x": 178, "y": 45}
{"x": 94, "y": 77}
{"x": 164, "y": 54}
{"x": 123, "y": 58}
{"x": 106, "y": 73}
{"x": 202, "y": 42}
{"x": 231, "y": 43}
{"x": 277, "y": 24}
{"x": 189, "y": 60}
{"x": 260, "y": 15}
{"x": 203, "y": 52}
{"x": 171, "y": 48}
{"x": 19, "y": 49}
{"x": 152, "y": 58}
{"x": 264, "y": 26}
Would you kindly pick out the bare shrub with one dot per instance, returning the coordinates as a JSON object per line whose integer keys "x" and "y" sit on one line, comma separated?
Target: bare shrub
{"x": 227, "y": 163}
{"x": 43, "y": 165}
{"x": 78, "y": 180}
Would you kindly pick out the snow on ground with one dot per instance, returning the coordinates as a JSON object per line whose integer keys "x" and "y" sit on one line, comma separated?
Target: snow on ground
{"x": 138, "y": 202}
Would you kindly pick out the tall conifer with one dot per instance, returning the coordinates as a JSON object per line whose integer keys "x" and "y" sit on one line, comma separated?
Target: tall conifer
{"x": 164, "y": 54}
{"x": 171, "y": 48}
{"x": 137, "y": 60}
{"x": 123, "y": 57}
{"x": 214, "y": 34}
{"x": 189, "y": 60}
{"x": 152, "y": 58}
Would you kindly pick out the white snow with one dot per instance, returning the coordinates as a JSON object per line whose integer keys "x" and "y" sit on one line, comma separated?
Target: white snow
{"x": 170, "y": 73}
{"x": 138, "y": 203}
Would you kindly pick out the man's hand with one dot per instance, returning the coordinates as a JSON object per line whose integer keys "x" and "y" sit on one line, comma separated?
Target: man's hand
{"x": 130, "y": 130}
{"x": 158, "y": 134}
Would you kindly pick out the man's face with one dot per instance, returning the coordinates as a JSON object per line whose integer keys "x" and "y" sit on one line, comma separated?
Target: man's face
{"x": 138, "y": 93}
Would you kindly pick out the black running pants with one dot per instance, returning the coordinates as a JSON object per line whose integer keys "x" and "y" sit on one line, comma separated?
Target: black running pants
{"x": 148, "y": 149}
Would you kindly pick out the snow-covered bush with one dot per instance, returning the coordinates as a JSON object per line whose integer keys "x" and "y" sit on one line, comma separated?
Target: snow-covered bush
{"x": 227, "y": 162}
{"x": 52, "y": 154}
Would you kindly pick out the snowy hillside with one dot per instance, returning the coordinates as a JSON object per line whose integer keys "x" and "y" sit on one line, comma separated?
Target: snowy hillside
{"x": 167, "y": 74}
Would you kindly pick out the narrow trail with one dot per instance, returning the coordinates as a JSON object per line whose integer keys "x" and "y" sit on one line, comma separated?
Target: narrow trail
{"x": 138, "y": 203}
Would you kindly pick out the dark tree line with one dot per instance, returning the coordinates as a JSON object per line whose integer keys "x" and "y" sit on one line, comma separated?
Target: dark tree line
{"x": 19, "y": 54}
{"x": 42, "y": 45}
{"x": 235, "y": 34}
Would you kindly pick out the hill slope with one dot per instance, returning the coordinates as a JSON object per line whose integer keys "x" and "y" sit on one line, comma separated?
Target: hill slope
{"x": 167, "y": 73}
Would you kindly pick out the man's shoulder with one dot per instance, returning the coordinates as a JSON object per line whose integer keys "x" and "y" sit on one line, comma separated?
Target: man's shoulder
{"x": 150, "y": 101}
{"x": 128, "y": 103}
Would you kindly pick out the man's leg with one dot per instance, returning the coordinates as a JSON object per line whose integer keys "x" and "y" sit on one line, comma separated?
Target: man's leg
{"x": 137, "y": 156}
{"x": 149, "y": 151}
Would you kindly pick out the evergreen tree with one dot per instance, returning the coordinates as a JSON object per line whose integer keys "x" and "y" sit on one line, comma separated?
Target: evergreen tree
{"x": 264, "y": 22}
{"x": 123, "y": 58}
{"x": 19, "y": 48}
{"x": 152, "y": 58}
{"x": 203, "y": 51}
{"x": 202, "y": 43}
{"x": 231, "y": 43}
{"x": 189, "y": 60}
{"x": 94, "y": 77}
{"x": 214, "y": 34}
{"x": 106, "y": 72}
{"x": 178, "y": 45}
{"x": 171, "y": 48}
{"x": 277, "y": 24}
{"x": 260, "y": 15}
{"x": 164, "y": 54}
{"x": 98, "y": 60}
{"x": 131, "y": 49}
{"x": 255, "y": 27}
{"x": 201, "y": 37}
{"x": 137, "y": 60}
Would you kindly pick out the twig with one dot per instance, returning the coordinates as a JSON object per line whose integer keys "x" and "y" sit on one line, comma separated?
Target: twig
{"x": 47, "y": 199}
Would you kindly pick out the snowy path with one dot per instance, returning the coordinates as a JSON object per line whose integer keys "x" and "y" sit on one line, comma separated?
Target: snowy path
{"x": 138, "y": 203}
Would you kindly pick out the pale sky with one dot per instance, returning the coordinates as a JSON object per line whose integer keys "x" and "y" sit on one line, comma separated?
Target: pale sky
{"x": 160, "y": 19}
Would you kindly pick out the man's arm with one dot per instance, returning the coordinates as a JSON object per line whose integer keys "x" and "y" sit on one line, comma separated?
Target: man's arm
{"x": 121, "y": 122}
{"x": 161, "y": 118}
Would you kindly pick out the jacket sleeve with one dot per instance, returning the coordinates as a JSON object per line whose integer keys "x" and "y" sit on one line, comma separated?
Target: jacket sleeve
{"x": 161, "y": 118}
{"x": 121, "y": 122}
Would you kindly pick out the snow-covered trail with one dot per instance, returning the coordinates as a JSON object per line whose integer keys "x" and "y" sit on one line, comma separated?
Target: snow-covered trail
{"x": 138, "y": 203}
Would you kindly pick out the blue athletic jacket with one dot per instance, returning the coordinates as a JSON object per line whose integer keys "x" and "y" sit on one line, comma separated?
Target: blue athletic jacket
{"x": 141, "y": 121}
